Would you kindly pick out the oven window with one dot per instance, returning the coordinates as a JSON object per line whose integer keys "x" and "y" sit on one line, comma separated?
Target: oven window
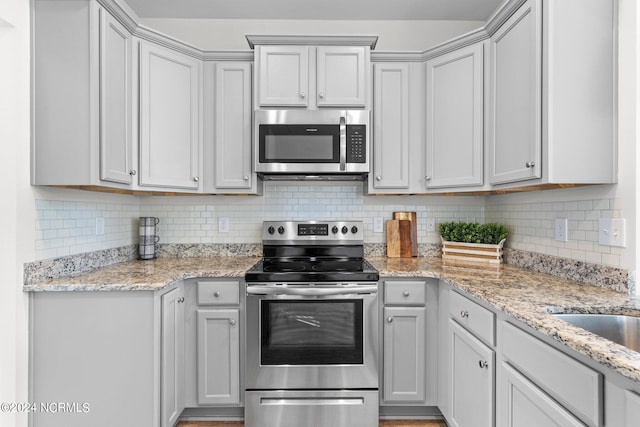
{"x": 322, "y": 332}
{"x": 299, "y": 143}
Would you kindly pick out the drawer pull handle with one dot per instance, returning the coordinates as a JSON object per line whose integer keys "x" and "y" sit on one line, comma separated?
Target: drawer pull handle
{"x": 483, "y": 364}
{"x": 181, "y": 300}
{"x": 464, "y": 314}
{"x": 216, "y": 294}
{"x": 232, "y": 321}
{"x": 390, "y": 319}
{"x": 406, "y": 293}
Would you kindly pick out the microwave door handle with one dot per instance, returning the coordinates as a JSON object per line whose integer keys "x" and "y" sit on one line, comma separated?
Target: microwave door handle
{"x": 343, "y": 144}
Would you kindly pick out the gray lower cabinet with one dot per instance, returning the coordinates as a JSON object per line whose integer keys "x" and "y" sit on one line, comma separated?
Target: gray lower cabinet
{"x": 409, "y": 333}
{"x": 219, "y": 357}
{"x": 472, "y": 379}
{"x": 525, "y": 405}
{"x": 632, "y": 412}
{"x": 172, "y": 359}
{"x": 104, "y": 355}
{"x": 218, "y": 325}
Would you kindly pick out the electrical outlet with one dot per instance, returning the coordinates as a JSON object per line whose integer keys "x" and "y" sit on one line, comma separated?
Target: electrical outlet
{"x": 611, "y": 232}
{"x": 377, "y": 225}
{"x": 223, "y": 225}
{"x": 431, "y": 224}
{"x": 99, "y": 226}
{"x": 562, "y": 229}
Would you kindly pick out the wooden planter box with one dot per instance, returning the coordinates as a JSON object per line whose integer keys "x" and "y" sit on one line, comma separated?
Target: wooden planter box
{"x": 472, "y": 252}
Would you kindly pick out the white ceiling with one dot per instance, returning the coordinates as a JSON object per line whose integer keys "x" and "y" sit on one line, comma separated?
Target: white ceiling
{"x": 366, "y": 10}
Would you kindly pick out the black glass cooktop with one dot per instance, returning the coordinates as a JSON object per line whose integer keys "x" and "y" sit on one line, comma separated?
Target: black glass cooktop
{"x": 311, "y": 270}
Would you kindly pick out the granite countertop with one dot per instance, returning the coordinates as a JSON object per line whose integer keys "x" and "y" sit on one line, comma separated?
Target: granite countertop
{"x": 527, "y": 296}
{"x": 149, "y": 275}
{"x": 530, "y": 297}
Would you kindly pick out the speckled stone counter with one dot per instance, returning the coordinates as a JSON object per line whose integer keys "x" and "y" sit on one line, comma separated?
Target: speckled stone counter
{"x": 151, "y": 275}
{"x": 527, "y": 296}
{"x": 531, "y": 297}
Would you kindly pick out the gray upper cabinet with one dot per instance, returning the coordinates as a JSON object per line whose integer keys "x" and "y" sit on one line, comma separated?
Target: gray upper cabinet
{"x": 311, "y": 76}
{"x": 390, "y": 127}
{"x": 341, "y": 76}
{"x": 82, "y": 110}
{"x": 282, "y": 76}
{"x": 116, "y": 113}
{"x": 227, "y": 128}
{"x": 516, "y": 97}
{"x": 454, "y": 126}
{"x": 170, "y": 137}
{"x": 552, "y": 102}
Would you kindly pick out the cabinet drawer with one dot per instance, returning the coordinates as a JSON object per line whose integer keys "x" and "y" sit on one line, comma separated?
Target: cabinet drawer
{"x": 218, "y": 292}
{"x": 574, "y": 385}
{"x": 405, "y": 292}
{"x": 474, "y": 317}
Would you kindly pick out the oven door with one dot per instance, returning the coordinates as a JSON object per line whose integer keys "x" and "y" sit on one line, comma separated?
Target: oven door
{"x": 312, "y": 336}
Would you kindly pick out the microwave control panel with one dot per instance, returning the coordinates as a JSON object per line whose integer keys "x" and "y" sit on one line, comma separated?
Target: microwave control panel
{"x": 356, "y": 144}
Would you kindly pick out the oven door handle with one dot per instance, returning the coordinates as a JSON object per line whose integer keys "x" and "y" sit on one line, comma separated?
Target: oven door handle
{"x": 311, "y": 291}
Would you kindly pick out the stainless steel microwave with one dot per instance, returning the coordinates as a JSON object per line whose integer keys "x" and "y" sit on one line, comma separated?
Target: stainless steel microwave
{"x": 317, "y": 144}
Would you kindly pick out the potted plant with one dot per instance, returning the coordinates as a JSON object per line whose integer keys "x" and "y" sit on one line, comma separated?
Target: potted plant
{"x": 470, "y": 241}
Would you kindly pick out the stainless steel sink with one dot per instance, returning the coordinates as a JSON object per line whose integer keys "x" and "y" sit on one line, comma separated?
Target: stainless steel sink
{"x": 624, "y": 330}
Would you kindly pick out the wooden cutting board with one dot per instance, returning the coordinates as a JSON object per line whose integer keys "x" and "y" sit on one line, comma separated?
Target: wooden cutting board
{"x": 398, "y": 238}
{"x": 412, "y": 239}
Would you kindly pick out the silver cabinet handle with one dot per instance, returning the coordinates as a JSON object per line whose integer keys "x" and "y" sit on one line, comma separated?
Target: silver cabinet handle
{"x": 378, "y": 178}
{"x": 132, "y": 172}
{"x": 529, "y": 165}
{"x": 246, "y": 177}
{"x": 216, "y": 294}
{"x": 321, "y": 95}
{"x": 427, "y": 178}
{"x": 196, "y": 178}
{"x": 303, "y": 95}
{"x": 181, "y": 300}
{"x": 483, "y": 364}
{"x": 464, "y": 314}
{"x": 232, "y": 322}
{"x": 406, "y": 293}
{"x": 390, "y": 319}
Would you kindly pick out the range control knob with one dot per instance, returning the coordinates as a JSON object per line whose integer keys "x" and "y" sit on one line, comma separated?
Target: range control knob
{"x": 334, "y": 229}
{"x": 354, "y": 229}
{"x": 281, "y": 230}
{"x": 344, "y": 229}
{"x": 271, "y": 230}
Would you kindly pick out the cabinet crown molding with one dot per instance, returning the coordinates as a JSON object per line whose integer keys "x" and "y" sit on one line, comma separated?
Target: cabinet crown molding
{"x": 311, "y": 40}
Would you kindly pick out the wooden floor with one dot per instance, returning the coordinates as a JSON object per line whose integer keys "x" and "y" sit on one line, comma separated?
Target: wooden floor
{"x": 383, "y": 423}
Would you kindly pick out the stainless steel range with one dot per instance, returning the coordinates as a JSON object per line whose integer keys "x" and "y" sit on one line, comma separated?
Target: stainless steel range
{"x": 312, "y": 328}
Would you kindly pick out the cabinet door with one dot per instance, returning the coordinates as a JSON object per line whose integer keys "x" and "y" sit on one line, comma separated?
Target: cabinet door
{"x": 172, "y": 376}
{"x": 525, "y": 405}
{"x": 472, "y": 380}
{"x": 218, "y": 357}
{"x": 515, "y": 123}
{"x": 404, "y": 336}
{"x": 233, "y": 126}
{"x": 391, "y": 126}
{"x": 169, "y": 118}
{"x": 283, "y": 76}
{"x": 455, "y": 119}
{"x": 632, "y": 408}
{"x": 341, "y": 76}
{"x": 115, "y": 100}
